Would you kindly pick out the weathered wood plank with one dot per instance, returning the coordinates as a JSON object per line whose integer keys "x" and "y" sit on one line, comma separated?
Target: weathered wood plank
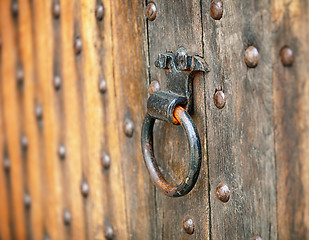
{"x": 129, "y": 70}
{"x": 11, "y": 118}
{"x": 74, "y": 141}
{"x": 27, "y": 101}
{"x": 50, "y": 169}
{"x": 291, "y": 116}
{"x": 240, "y": 136}
{"x": 178, "y": 24}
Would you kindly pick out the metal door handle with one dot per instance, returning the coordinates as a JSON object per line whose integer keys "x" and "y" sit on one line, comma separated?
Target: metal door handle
{"x": 188, "y": 183}
{"x": 172, "y": 106}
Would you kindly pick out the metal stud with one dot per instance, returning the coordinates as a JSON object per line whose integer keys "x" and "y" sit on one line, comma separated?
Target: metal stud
{"x": 219, "y": 99}
{"x": 109, "y": 233}
{"x": 223, "y": 192}
{"x": 6, "y": 164}
{"x": 61, "y": 151}
{"x": 154, "y": 86}
{"x": 128, "y": 127}
{"x": 106, "y": 161}
{"x": 46, "y": 237}
{"x": 27, "y": 200}
{"x": 84, "y": 188}
{"x": 56, "y": 10}
{"x": 20, "y": 75}
{"x": 151, "y": 11}
{"x": 24, "y": 142}
{"x": 102, "y": 85}
{"x": 67, "y": 217}
{"x": 216, "y": 9}
{"x": 252, "y": 57}
{"x": 14, "y": 8}
{"x": 78, "y": 45}
{"x": 99, "y": 12}
{"x": 287, "y": 56}
{"x": 188, "y": 225}
{"x": 57, "y": 82}
{"x": 38, "y": 111}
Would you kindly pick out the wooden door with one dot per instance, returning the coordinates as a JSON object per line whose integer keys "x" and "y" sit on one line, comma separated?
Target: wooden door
{"x": 74, "y": 83}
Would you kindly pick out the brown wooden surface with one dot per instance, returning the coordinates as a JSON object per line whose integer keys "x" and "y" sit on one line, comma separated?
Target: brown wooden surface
{"x": 291, "y": 93}
{"x": 257, "y": 144}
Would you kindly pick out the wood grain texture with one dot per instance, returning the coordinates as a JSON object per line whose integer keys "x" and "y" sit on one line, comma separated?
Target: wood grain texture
{"x": 240, "y": 136}
{"x": 178, "y": 24}
{"x": 27, "y": 101}
{"x": 11, "y": 117}
{"x": 291, "y": 92}
{"x": 130, "y": 76}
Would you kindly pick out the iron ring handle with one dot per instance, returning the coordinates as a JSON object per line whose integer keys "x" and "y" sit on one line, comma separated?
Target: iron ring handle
{"x": 195, "y": 155}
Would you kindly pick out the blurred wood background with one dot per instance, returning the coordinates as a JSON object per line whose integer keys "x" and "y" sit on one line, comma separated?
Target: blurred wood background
{"x": 74, "y": 85}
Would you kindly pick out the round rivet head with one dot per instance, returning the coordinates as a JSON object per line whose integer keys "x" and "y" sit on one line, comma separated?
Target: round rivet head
{"x": 106, "y": 160}
{"x": 78, "y": 45}
{"x": 257, "y": 237}
{"x": 24, "y": 142}
{"x": 84, "y": 188}
{"x": 14, "y": 8}
{"x": 223, "y": 192}
{"x": 128, "y": 128}
{"x": 109, "y": 233}
{"x": 6, "y": 164}
{"x": 38, "y": 111}
{"x": 151, "y": 11}
{"x": 61, "y": 151}
{"x": 57, "y": 82}
{"x": 188, "y": 225}
{"x": 154, "y": 86}
{"x": 251, "y": 57}
{"x": 99, "y": 12}
{"x": 67, "y": 217}
{"x": 27, "y": 200}
{"x": 56, "y": 10}
{"x": 287, "y": 56}
{"x": 102, "y": 85}
{"x": 216, "y": 9}
{"x": 219, "y": 99}
{"x": 20, "y": 75}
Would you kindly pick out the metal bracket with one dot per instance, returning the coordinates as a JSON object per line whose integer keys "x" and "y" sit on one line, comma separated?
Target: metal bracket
{"x": 180, "y": 72}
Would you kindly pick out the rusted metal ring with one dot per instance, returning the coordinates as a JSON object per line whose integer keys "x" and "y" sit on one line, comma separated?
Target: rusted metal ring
{"x": 195, "y": 155}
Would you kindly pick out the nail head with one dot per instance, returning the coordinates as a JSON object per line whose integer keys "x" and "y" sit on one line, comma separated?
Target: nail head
{"x": 216, "y": 9}
{"x": 57, "y": 82}
{"x": 109, "y": 233}
{"x": 84, "y": 188}
{"x": 188, "y": 225}
{"x": 99, "y": 12}
{"x": 78, "y": 45}
{"x": 67, "y": 217}
{"x": 154, "y": 86}
{"x": 223, "y": 192}
{"x": 151, "y": 11}
{"x": 102, "y": 85}
{"x": 61, "y": 152}
{"x": 287, "y": 56}
{"x": 128, "y": 128}
{"x": 106, "y": 161}
{"x": 252, "y": 57}
{"x": 56, "y": 10}
{"x": 27, "y": 200}
{"x": 6, "y": 163}
{"x": 219, "y": 99}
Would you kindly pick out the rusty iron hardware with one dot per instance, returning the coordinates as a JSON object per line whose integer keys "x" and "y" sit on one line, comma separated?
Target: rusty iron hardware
{"x": 173, "y": 105}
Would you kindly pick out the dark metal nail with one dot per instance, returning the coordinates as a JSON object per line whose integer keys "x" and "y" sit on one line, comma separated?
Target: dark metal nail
{"x": 24, "y": 142}
{"x": 223, "y": 192}
{"x": 38, "y": 111}
{"x": 84, "y": 188}
{"x": 188, "y": 225}
{"x": 57, "y": 82}
{"x": 99, "y": 12}
{"x": 109, "y": 233}
{"x": 61, "y": 151}
{"x": 56, "y": 10}
{"x": 128, "y": 127}
{"x": 14, "y": 8}
{"x": 20, "y": 75}
{"x": 106, "y": 160}
{"x": 27, "y": 200}
{"x": 252, "y": 57}
{"x": 219, "y": 99}
{"x": 67, "y": 217}
{"x": 6, "y": 164}
{"x": 102, "y": 85}
{"x": 151, "y": 11}
{"x": 78, "y": 45}
{"x": 287, "y": 56}
{"x": 216, "y": 9}
{"x": 154, "y": 86}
